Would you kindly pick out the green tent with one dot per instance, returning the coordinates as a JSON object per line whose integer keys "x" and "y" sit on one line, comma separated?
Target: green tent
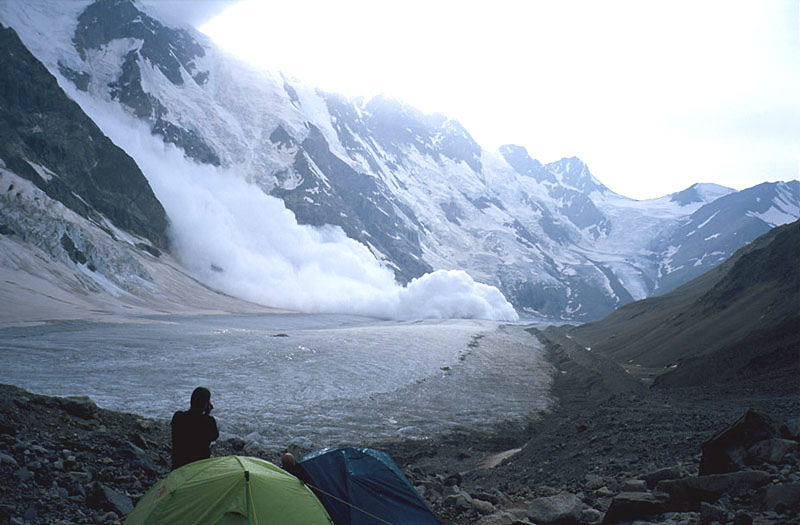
{"x": 229, "y": 490}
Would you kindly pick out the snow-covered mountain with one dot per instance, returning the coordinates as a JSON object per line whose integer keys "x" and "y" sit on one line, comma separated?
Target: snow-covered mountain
{"x": 416, "y": 190}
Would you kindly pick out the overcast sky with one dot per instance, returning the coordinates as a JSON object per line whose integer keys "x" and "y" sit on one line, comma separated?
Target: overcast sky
{"x": 654, "y": 96}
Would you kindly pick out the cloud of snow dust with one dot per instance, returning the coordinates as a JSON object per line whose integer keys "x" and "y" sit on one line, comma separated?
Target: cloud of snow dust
{"x": 182, "y": 12}
{"x": 237, "y": 239}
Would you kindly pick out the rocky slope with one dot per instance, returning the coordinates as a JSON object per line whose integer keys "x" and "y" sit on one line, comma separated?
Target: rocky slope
{"x": 630, "y": 456}
{"x": 701, "y": 444}
{"x": 47, "y": 139}
{"x": 415, "y": 189}
{"x": 738, "y": 322}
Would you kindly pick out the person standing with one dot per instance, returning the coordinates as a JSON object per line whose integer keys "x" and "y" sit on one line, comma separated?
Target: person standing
{"x": 193, "y": 430}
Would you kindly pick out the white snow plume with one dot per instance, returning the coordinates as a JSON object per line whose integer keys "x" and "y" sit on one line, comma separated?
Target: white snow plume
{"x": 186, "y": 12}
{"x": 232, "y": 236}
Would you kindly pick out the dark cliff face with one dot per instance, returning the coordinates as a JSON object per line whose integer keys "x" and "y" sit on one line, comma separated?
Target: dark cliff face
{"x": 39, "y": 124}
{"x": 168, "y": 49}
{"x": 354, "y": 201}
{"x": 171, "y": 51}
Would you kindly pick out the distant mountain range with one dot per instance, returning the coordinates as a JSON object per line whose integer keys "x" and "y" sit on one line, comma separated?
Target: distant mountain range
{"x": 415, "y": 189}
{"x": 737, "y": 324}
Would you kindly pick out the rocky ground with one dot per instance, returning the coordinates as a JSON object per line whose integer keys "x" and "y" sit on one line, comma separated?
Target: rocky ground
{"x": 611, "y": 450}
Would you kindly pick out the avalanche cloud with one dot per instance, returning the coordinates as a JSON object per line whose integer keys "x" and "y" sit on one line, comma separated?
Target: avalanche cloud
{"x": 232, "y": 236}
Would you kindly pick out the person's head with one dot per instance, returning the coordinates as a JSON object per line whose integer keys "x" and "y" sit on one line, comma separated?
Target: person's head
{"x": 201, "y": 399}
{"x": 287, "y": 461}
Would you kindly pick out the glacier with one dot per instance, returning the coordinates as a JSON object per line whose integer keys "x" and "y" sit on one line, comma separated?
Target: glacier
{"x": 285, "y": 195}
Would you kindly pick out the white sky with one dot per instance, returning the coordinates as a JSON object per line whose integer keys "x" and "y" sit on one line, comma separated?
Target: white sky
{"x": 652, "y": 95}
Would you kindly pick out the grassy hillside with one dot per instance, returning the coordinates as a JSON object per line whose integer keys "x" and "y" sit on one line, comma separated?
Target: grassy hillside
{"x": 740, "y": 320}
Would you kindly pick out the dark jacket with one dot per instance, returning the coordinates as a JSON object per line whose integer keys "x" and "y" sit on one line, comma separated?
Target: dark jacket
{"x": 192, "y": 434}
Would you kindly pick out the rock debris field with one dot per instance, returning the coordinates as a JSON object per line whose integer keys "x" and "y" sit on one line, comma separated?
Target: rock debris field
{"x": 624, "y": 454}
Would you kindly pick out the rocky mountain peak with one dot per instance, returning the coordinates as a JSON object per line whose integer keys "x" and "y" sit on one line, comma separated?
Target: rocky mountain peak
{"x": 415, "y": 188}
{"x": 701, "y": 192}
{"x": 573, "y": 172}
{"x": 457, "y": 144}
{"x": 168, "y": 49}
{"x": 519, "y": 159}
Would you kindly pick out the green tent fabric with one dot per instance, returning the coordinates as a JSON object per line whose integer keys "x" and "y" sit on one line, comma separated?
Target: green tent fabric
{"x": 229, "y": 490}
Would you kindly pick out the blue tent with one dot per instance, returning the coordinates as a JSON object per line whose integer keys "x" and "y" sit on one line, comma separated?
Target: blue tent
{"x": 363, "y": 486}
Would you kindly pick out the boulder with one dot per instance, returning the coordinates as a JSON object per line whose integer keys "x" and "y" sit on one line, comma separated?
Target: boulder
{"x": 482, "y": 506}
{"x": 591, "y": 516}
{"x": 79, "y": 406}
{"x": 557, "y": 510}
{"x": 711, "y": 513}
{"x": 102, "y": 497}
{"x": 628, "y": 506}
{"x": 791, "y": 429}
{"x": 780, "y": 498}
{"x": 726, "y": 451}
{"x": 690, "y": 492}
{"x": 654, "y": 477}
{"x": 594, "y": 482}
{"x": 634, "y": 485}
{"x": 7, "y": 459}
{"x": 771, "y": 450}
{"x": 135, "y": 456}
{"x": 455, "y": 497}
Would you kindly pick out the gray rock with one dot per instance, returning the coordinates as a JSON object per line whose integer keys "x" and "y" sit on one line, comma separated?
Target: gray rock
{"x": 710, "y": 513}
{"x": 80, "y": 406}
{"x": 451, "y": 490}
{"x": 498, "y": 518}
{"x": 80, "y": 477}
{"x": 634, "y": 485}
{"x": 771, "y": 450}
{"x": 38, "y": 449}
{"x": 654, "y": 477}
{"x": 604, "y": 492}
{"x": 482, "y": 506}
{"x": 460, "y": 501}
{"x": 24, "y": 474}
{"x": 558, "y": 509}
{"x": 727, "y": 450}
{"x": 594, "y": 482}
{"x": 691, "y": 491}
{"x": 629, "y": 506}
{"x": 7, "y": 459}
{"x": 780, "y": 498}
{"x": 101, "y": 497}
{"x": 591, "y": 516}
{"x": 791, "y": 429}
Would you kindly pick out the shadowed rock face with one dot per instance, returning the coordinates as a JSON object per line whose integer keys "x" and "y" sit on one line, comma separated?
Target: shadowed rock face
{"x": 415, "y": 188}
{"x": 171, "y": 51}
{"x": 357, "y": 203}
{"x": 46, "y": 138}
{"x": 168, "y": 49}
{"x": 738, "y": 324}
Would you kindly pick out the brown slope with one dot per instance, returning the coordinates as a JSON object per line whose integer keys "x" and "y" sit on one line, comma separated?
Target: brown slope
{"x": 734, "y": 317}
